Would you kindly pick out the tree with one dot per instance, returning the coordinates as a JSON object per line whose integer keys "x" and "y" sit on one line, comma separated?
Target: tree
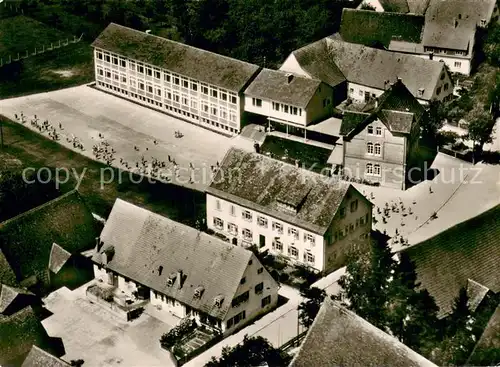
{"x": 480, "y": 130}
{"x": 492, "y": 44}
{"x": 433, "y": 119}
{"x": 309, "y": 308}
{"x": 385, "y": 292}
{"x": 253, "y": 351}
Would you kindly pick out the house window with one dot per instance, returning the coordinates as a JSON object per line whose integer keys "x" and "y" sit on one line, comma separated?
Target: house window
{"x": 232, "y": 116}
{"x": 369, "y": 169}
{"x": 483, "y": 22}
{"x": 369, "y": 148}
{"x": 378, "y": 130}
{"x": 354, "y": 205}
{"x": 309, "y": 238}
{"x": 378, "y": 149}
{"x": 259, "y": 288}
{"x": 185, "y": 100}
{"x": 232, "y": 228}
{"x": 233, "y": 99}
{"x": 213, "y": 92}
{"x": 149, "y": 72}
{"x": 295, "y": 110}
{"x": 260, "y": 270}
{"x": 194, "y": 104}
{"x": 107, "y": 58}
{"x": 100, "y": 71}
{"x": 232, "y": 210}
{"x": 204, "y": 107}
{"x": 176, "y": 80}
{"x": 176, "y": 97}
{"x": 442, "y": 76}
{"x": 213, "y": 110}
{"x": 99, "y": 55}
{"x": 438, "y": 91}
{"x": 131, "y": 65}
{"x": 218, "y": 223}
{"x": 457, "y": 64}
{"x": 370, "y": 129}
{"x": 342, "y": 212}
{"x": 185, "y": 83}
{"x": 261, "y": 221}
{"x": 276, "y": 106}
{"x": 247, "y": 234}
{"x": 141, "y": 86}
{"x": 166, "y": 77}
{"x": 277, "y": 244}
{"x": 278, "y": 227}
{"x": 446, "y": 86}
{"x": 157, "y": 74}
{"x": 194, "y": 86}
{"x": 265, "y": 301}
{"x": 351, "y": 90}
{"x": 293, "y": 251}
{"x": 257, "y": 102}
{"x": 223, "y": 113}
{"x": 123, "y": 79}
{"x": 293, "y": 232}
{"x": 308, "y": 257}
{"x": 361, "y": 93}
{"x": 150, "y": 89}
{"x": 243, "y": 280}
{"x": 246, "y": 215}
{"x": 285, "y": 108}
{"x": 376, "y": 170}
{"x": 108, "y": 74}
{"x": 115, "y": 60}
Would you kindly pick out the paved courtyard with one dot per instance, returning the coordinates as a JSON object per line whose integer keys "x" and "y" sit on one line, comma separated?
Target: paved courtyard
{"x": 93, "y": 334}
{"x": 130, "y": 129}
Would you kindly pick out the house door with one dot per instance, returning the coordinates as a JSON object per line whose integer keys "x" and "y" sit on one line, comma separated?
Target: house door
{"x": 367, "y": 97}
{"x": 235, "y": 241}
{"x": 262, "y": 240}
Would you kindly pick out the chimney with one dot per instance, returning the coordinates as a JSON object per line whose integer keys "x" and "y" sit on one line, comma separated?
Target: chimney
{"x": 289, "y": 78}
{"x": 399, "y": 79}
{"x": 180, "y": 279}
{"x": 431, "y": 55}
{"x": 376, "y": 102}
{"x": 97, "y": 244}
{"x": 107, "y": 255}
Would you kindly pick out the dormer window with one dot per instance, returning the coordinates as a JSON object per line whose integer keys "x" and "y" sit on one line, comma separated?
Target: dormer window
{"x": 198, "y": 292}
{"x": 420, "y": 92}
{"x": 171, "y": 279}
{"x": 483, "y": 22}
{"x": 293, "y": 232}
{"x": 219, "y": 300}
{"x": 378, "y": 130}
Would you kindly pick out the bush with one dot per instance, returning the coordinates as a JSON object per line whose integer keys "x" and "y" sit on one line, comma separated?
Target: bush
{"x": 447, "y": 138}
{"x": 175, "y": 335}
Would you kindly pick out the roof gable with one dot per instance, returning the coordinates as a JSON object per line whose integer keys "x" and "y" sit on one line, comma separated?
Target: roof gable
{"x": 274, "y": 85}
{"x": 27, "y": 239}
{"x": 58, "y": 257}
{"x": 316, "y": 61}
{"x": 469, "y": 250}
{"x": 205, "y": 66}
{"x": 261, "y": 182}
{"x": 150, "y": 249}
{"x": 336, "y": 336}
{"x": 397, "y": 6}
{"x": 9, "y": 294}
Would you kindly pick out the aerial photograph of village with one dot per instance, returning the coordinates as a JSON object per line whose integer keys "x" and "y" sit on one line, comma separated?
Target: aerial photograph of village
{"x": 249, "y": 183}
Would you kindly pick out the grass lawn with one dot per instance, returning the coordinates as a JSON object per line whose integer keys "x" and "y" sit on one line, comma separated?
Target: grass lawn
{"x": 310, "y": 157}
{"x": 20, "y": 33}
{"x": 36, "y": 151}
{"x": 61, "y": 68}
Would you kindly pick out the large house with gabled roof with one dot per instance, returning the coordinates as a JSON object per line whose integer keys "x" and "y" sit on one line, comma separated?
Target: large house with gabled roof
{"x": 304, "y": 217}
{"x": 380, "y": 145}
{"x": 181, "y": 270}
{"x": 369, "y": 71}
{"x": 199, "y": 86}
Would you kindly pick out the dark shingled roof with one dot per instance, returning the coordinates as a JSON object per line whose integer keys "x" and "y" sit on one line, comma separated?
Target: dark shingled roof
{"x": 273, "y": 85}
{"x": 189, "y": 61}
{"x": 19, "y": 332}
{"x": 371, "y": 27}
{"x": 373, "y": 67}
{"x": 351, "y": 120}
{"x": 440, "y": 30}
{"x": 37, "y": 357}
{"x": 27, "y": 239}
{"x": 259, "y": 182}
{"x": 397, "y": 108}
{"x": 58, "y": 257}
{"x": 7, "y": 275}
{"x": 469, "y": 250}
{"x": 143, "y": 241}
{"x": 339, "y": 337}
{"x": 316, "y": 61}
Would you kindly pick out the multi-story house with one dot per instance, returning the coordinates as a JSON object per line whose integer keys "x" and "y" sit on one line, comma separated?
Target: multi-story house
{"x": 381, "y": 146}
{"x": 305, "y": 217}
{"x": 369, "y": 71}
{"x": 181, "y": 270}
{"x": 201, "y": 87}
{"x": 291, "y": 103}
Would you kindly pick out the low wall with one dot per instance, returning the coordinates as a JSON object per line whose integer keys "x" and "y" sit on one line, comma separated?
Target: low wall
{"x": 110, "y": 306}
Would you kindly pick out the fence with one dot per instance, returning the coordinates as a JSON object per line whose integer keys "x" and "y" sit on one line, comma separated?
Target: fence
{"x": 294, "y": 342}
{"x": 38, "y": 51}
{"x": 465, "y": 156}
